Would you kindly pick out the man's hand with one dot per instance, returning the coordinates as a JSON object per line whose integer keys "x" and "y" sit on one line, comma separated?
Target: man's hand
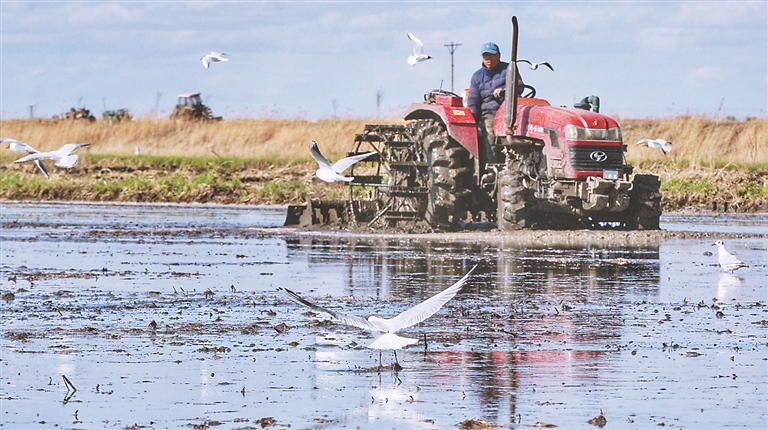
{"x": 498, "y": 93}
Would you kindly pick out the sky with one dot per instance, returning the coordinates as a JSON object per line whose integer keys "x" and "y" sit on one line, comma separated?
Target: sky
{"x": 314, "y": 60}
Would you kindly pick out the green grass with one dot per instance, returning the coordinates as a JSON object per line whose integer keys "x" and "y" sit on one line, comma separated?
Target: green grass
{"x": 752, "y": 190}
{"x": 683, "y": 185}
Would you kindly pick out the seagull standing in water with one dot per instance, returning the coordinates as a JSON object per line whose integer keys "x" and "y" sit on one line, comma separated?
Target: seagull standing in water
{"x": 727, "y": 260}
{"x": 213, "y": 57}
{"x": 384, "y": 329}
{"x": 535, "y": 66}
{"x": 657, "y": 144}
{"x": 23, "y": 148}
{"x": 333, "y": 172}
{"x": 63, "y": 156}
{"x": 418, "y": 51}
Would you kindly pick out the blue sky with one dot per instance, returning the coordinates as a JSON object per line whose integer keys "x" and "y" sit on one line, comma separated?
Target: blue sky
{"x": 318, "y": 59}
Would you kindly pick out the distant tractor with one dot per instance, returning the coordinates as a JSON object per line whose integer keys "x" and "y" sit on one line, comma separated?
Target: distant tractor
{"x": 556, "y": 167}
{"x": 118, "y": 115}
{"x": 79, "y": 114}
{"x": 190, "y": 107}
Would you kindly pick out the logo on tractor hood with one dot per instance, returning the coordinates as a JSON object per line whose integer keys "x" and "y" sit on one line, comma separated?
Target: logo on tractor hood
{"x": 598, "y": 156}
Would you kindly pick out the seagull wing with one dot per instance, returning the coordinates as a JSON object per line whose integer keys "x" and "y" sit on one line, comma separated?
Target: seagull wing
{"x": 523, "y": 60}
{"x": 418, "y": 47}
{"x": 352, "y": 320}
{"x": 36, "y": 156}
{"x": 322, "y": 161}
{"x": 70, "y": 148}
{"x": 726, "y": 259}
{"x": 206, "y": 61}
{"x": 544, "y": 63}
{"x": 342, "y": 164}
{"x": 644, "y": 142}
{"x": 426, "y": 308}
{"x": 39, "y": 164}
{"x": 664, "y": 145}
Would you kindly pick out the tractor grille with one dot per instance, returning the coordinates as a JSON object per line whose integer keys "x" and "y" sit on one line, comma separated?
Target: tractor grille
{"x": 588, "y": 157}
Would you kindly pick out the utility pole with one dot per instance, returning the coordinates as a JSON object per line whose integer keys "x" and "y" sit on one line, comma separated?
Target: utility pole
{"x": 451, "y": 48}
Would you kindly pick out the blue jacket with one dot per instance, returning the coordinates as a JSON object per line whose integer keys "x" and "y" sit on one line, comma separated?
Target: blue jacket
{"x": 481, "y": 87}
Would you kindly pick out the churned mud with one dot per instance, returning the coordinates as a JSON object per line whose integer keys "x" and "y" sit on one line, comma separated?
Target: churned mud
{"x": 135, "y": 316}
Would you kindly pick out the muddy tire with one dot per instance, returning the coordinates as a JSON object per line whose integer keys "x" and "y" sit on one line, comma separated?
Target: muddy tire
{"x": 449, "y": 178}
{"x": 645, "y": 203}
{"x": 515, "y": 202}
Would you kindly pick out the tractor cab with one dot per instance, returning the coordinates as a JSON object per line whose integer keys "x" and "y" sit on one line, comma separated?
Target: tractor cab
{"x": 189, "y": 99}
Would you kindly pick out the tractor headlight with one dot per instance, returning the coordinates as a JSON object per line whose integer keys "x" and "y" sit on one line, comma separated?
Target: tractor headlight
{"x": 573, "y": 132}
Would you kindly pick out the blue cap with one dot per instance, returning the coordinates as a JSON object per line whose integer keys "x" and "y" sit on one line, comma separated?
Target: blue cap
{"x": 489, "y": 48}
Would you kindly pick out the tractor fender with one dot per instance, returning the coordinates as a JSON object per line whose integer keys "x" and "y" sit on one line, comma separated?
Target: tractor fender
{"x": 458, "y": 120}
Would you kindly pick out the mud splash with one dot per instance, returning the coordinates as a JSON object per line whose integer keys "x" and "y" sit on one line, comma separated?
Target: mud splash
{"x": 168, "y": 316}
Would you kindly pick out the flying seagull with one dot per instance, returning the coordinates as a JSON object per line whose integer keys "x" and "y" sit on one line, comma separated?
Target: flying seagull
{"x": 727, "y": 260}
{"x": 23, "y": 148}
{"x": 63, "y": 156}
{"x": 657, "y": 144}
{"x": 535, "y": 66}
{"x": 384, "y": 329}
{"x": 333, "y": 173}
{"x": 418, "y": 51}
{"x": 213, "y": 57}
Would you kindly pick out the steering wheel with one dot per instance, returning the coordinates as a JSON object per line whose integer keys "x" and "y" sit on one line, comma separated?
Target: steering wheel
{"x": 531, "y": 91}
{"x": 442, "y": 93}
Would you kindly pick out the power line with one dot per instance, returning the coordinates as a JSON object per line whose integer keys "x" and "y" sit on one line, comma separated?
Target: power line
{"x": 451, "y": 48}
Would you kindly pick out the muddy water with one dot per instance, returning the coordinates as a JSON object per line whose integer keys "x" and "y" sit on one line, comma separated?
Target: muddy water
{"x": 651, "y": 331}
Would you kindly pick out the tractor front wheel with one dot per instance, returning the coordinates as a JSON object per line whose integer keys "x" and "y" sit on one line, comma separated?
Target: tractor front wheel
{"x": 644, "y": 203}
{"x": 515, "y": 201}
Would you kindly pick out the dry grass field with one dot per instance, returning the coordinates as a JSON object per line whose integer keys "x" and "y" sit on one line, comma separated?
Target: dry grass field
{"x": 696, "y": 140}
{"x": 267, "y": 160}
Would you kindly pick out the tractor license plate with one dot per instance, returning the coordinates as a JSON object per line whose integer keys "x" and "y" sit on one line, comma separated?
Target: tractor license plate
{"x": 611, "y": 174}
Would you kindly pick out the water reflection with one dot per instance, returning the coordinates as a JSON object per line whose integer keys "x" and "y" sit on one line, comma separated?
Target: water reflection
{"x": 727, "y": 285}
{"x": 406, "y": 268}
{"x": 529, "y": 317}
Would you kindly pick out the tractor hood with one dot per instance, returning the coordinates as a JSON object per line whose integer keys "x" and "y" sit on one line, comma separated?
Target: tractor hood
{"x": 535, "y": 118}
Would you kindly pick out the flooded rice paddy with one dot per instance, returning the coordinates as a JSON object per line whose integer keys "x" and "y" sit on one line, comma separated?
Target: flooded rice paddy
{"x": 169, "y": 317}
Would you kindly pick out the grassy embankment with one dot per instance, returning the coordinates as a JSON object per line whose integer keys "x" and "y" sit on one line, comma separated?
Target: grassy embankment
{"x": 267, "y": 160}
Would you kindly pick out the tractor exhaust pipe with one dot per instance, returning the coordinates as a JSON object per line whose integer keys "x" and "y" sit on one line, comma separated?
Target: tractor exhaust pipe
{"x": 510, "y": 97}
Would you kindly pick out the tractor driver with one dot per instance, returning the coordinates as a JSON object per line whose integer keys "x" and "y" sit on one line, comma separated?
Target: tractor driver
{"x": 485, "y": 97}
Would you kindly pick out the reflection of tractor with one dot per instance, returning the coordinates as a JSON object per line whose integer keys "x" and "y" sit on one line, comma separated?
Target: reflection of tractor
{"x": 555, "y": 167}
{"x": 190, "y": 107}
{"x": 119, "y": 115}
{"x": 79, "y": 114}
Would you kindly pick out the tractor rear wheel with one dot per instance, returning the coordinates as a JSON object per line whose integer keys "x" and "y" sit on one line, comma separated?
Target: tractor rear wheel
{"x": 644, "y": 204}
{"x": 449, "y": 178}
{"x": 515, "y": 202}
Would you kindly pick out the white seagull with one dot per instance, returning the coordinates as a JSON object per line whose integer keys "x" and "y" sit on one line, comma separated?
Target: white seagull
{"x": 333, "y": 172}
{"x": 384, "y": 329}
{"x": 23, "y": 148}
{"x": 727, "y": 260}
{"x": 63, "y": 156}
{"x": 418, "y": 51}
{"x": 213, "y": 57}
{"x": 535, "y": 66}
{"x": 657, "y": 144}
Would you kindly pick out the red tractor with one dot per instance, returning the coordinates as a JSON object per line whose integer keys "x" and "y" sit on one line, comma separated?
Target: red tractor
{"x": 559, "y": 168}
